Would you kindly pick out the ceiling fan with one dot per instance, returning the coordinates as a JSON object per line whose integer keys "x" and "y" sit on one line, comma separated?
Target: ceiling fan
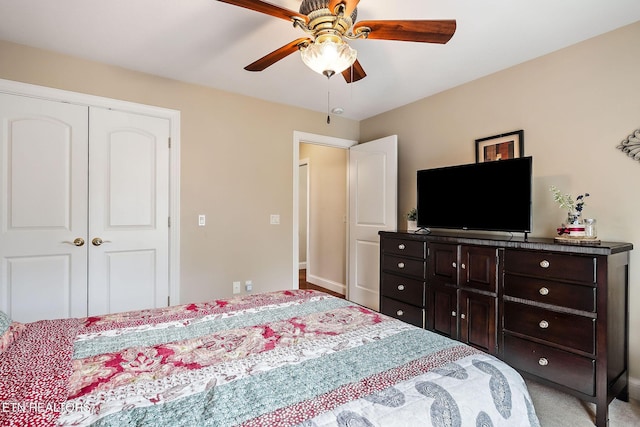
{"x": 329, "y": 23}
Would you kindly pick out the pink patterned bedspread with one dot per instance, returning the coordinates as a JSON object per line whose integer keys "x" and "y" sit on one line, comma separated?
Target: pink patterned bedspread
{"x": 276, "y": 359}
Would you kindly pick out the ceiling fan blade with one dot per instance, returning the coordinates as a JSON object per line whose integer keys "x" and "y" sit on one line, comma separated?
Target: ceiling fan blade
{"x": 276, "y": 55}
{"x": 350, "y": 5}
{"x": 354, "y": 73}
{"x": 425, "y": 31}
{"x": 269, "y": 9}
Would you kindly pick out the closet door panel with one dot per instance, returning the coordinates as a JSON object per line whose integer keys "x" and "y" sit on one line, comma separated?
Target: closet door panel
{"x": 43, "y": 208}
{"x": 128, "y": 211}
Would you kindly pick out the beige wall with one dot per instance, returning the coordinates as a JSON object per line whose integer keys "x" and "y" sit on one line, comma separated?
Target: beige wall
{"x": 236, "y": 166}
{"x": 326, "y": 263}
{"x": 575, "y": 106}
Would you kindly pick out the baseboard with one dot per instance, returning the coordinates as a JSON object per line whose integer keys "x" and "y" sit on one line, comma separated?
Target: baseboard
{"x": 634, "y": 388}
{"x": 327, "y": 284}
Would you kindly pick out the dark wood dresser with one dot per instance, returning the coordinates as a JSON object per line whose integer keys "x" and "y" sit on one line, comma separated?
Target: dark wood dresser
{"x": 556, "y": 312}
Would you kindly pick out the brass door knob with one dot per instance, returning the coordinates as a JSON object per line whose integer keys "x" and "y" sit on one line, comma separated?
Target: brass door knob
{"x": 97, "y": 241}
{"x": 78, "y": 241}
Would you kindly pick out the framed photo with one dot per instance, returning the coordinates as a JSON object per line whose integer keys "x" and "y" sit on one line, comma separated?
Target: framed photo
{"x": 500, "y": 147}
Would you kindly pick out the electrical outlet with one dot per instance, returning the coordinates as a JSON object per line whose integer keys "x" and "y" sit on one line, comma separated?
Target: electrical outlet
{"x": 274, "y": 219}
{"x": 248, "y": 286}
{"x": 236, "y": 287}
{"x": 202, "y": 220}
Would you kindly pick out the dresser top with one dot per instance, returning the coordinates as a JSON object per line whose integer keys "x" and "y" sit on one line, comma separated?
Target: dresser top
{"x": 517, "y": 242}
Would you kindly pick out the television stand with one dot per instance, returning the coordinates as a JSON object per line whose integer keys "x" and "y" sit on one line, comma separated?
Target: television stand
{"x": 557, "y": 312}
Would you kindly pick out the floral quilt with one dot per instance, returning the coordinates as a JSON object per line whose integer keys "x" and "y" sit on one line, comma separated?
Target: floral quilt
{"x": 288, "y": 358}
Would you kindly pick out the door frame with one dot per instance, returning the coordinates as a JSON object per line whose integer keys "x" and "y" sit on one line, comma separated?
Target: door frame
{"x": 60, "y": 95}
{"x": 311, "y": 138}
{"x": 304, "y": 162}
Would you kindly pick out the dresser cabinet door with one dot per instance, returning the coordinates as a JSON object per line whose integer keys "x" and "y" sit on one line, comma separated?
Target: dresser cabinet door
{"x": 478, "y": 321}
{"x": 478, "y": 268}
{"x": 443, "y": 264}
{"x": 442, "y": 310}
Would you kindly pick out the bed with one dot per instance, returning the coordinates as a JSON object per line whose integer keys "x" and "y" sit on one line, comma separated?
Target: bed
{"x": 282, "y": 358}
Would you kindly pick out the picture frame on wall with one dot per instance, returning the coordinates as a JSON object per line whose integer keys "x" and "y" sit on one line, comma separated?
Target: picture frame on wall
{"x": 500, "y": 147}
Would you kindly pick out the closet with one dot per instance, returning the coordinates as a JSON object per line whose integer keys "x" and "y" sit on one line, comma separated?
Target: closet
{"x": 84, "y": 209}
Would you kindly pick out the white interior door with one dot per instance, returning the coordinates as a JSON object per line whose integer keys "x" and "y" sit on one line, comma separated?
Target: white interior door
{"x": 373, "y": 207}
{"x": 43, "y": 208}
{"x": 128, "y": 211}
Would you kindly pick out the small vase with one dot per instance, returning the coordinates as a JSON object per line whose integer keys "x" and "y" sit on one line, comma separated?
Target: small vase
{"x": 411, "y": 225}
{"x": 575, "y": 225}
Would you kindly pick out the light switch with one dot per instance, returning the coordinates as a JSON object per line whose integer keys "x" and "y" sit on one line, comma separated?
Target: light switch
{"x": 201, "y": 220}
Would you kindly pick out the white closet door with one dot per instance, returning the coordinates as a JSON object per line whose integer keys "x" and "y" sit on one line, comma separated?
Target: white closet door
{"x": 43, "y": 208}
{"x": 128, "y": 211}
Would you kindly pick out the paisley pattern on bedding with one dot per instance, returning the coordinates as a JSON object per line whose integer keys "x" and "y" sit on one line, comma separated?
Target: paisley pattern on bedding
{"x": 278, "y": 359}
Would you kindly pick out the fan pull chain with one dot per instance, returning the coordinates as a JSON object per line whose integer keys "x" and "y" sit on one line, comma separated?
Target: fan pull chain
{"x": 328, "y": 73}
{"x": 328, "y": 101}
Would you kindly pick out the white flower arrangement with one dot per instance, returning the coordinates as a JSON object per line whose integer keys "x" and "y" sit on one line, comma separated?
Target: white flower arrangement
{"x": 566, "y": 201}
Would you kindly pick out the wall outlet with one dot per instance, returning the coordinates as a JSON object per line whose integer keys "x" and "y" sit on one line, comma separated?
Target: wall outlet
{"x": 248, "y": 286}
{"x": 274, "y": 219}
{"x": 202, "y": 220}
{"x": 236, "y": 287}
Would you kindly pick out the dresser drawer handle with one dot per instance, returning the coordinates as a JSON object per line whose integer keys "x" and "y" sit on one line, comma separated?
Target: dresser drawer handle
{"x": 462, "y": 266}
{"x": 401, "y": 246}
{"x": 401, "y": 265}
{"x": 401, "y": 287}
{"x": 544, "y": 291}
{"x": 454, "y": 265}
{"x": 543, "y": 324}
{"x": 400, "y": 313}
{"x": 543, "y": 361}
{"x": 544, "y": 263}
{"x": 453, "y": 314}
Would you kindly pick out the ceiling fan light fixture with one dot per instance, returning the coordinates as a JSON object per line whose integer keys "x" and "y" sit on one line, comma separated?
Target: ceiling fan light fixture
{"x": 328, "y": 56}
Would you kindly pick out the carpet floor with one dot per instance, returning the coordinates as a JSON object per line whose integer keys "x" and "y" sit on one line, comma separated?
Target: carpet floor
{"x": 558, "y": 409}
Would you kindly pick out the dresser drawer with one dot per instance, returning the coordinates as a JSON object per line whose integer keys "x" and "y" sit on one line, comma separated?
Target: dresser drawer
{"x": 551, "y": 265}
{"x": 403, "y": 289}
{"x": 410, "y": 267}
{"x": 555, "y": 365}
{"x": 578, "y": 297}
{"x": 402, "y": 311}
{"x": 410, "y": 248}
{"x": 569, "y": 330}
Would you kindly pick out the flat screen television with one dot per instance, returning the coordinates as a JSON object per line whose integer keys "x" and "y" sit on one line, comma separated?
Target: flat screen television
{"x": 492, "y": 196}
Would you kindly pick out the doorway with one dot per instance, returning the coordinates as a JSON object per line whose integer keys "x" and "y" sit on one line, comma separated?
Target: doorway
{"x": 323, "y": 229}
{"x": 372, "y": 195}
{"x": 325, "y": 280}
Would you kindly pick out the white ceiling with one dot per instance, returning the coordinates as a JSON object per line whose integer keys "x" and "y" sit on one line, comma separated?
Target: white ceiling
{"x": 209, "y": 42}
